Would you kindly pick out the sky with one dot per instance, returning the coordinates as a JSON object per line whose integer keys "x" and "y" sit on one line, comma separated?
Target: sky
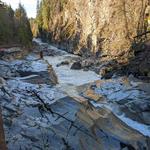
{"x": 29, "y": 5}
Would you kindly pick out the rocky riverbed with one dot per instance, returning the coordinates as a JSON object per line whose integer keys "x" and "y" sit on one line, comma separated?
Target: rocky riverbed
{"x": 46, "y": 105}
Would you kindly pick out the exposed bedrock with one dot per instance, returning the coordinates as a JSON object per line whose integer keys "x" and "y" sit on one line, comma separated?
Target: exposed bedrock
{"x": 88, "y": 26}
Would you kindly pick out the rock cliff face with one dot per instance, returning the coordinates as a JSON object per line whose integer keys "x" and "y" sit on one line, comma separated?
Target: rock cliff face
{"x": 83, "y": 26}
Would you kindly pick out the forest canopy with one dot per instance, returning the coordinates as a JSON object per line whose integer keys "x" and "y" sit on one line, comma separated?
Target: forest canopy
{"x": 14, "y": 26}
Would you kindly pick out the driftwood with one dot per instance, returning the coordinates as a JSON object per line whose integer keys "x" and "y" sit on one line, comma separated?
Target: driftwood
{"x": 2, "y": 136}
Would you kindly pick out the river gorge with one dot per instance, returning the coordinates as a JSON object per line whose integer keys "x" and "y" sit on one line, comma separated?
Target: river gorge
{"x": 49, "y": 105}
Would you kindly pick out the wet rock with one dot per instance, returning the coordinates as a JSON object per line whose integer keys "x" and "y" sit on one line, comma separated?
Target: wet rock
{"x": 38, "y": 115}
{"x": 76, "y": 66}
{"x": 32, "y": 57}
{"x": 5, "y": 70}
{"x": 107, "y": 70}
{"x": 48, "y": 118}
{"x": 146, "y": 117}
{"x": 90, "y": 94}
{"x": 30, "y": 66}
{"x": 145, "y": 87}
{"x": 126, "y": 97}
{"x": 63, "y": 63}
{"x": 134, "y": 109}
{"x": 31, "y": 71}
{"x": 107, "y": 122}
{"x": 12, "y": 50}
{"x": 85, "y": 69}
{"x": 83, "y": 127}
{"x": 2, "y": 82}
{"x": 10, "y": 108}
{"x": 29, "y": 136}
{"x": 34, "y": 79}
{"x": 126, "y": 147}
{"x": 87, "y": 63}
{"x": 13, "y": 53}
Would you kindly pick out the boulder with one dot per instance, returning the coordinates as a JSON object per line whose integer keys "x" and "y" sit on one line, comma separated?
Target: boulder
{"x": 63, "y": 63}
{"x": 107, "y": 69}
{"x": 76, "y": 66}
{"x": 87, "y": 63}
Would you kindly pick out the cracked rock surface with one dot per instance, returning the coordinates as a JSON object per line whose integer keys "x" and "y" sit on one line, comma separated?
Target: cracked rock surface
{"x": 40, "y": 115}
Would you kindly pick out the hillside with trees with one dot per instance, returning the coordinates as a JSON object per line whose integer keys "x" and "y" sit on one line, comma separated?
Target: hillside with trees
{"x": 86, "y": 26}
{"x": 14, "y": 26}
{"x": 98, "y": 28}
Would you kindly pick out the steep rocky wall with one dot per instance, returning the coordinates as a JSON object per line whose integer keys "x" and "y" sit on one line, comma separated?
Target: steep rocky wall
{"x": 83, "y": 26}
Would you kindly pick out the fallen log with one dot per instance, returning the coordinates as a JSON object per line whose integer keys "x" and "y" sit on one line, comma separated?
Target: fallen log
{"x": 2, "y": 136}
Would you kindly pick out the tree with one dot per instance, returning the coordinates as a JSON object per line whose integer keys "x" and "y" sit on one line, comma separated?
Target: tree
{"x": 39, "y": 17}
{"x": 6, "y": 23}
{"x": 24, "y": 31}
{"x": 38, "y": 7}
{"x": 14, "y": 26}
{"x": 45, "y": 14}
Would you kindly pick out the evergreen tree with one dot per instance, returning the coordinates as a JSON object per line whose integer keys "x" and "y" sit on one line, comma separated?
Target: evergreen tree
{"x": 45, "y": 14}
{"x": 24, "y": 31}
{"x": 39, "y": 17}
{"x": 38, "y": 7}
{"x": 14, "y": 26}
{"x": 6, "y": 23}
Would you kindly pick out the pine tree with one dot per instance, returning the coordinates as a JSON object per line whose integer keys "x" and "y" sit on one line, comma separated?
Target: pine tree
{"x": 39, "y": 17}
{"x": 6, "y": 23}
{"x": 38, "y": 6}
{"x": 24, "y": 31}
{"x": 14, "y": 26}
{"x": 46, "y": 12}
